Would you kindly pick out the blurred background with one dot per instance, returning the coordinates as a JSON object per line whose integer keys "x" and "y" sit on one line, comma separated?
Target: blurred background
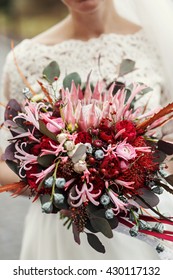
{"x": 20, "y": 19}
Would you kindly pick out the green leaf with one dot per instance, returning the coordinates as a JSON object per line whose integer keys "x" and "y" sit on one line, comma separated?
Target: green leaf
{"x": 71, "y": 77}
{"x": 101, "y": 225}
{"x": 51, "y": 71}
{"x": 126, "y": 66}
{"x": 95, "y": 243}
{"x": 46, "y": 160}
{"x": 43, "y": 129}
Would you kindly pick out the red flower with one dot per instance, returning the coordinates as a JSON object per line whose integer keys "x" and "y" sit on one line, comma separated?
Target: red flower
{"x": 130, "y": 130}
{"x": 30, "y": 178}
{"x": 110, "y": 167}
{"x": 98, "y": 184}
{"x": 106, "y": 133}
{"x": 83, "y": 137}
{"x": 44, "y": 144}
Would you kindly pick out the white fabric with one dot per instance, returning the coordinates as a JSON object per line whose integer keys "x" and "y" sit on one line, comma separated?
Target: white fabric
{"x": 44, "y": 235}
{"x": 156, "y": 18}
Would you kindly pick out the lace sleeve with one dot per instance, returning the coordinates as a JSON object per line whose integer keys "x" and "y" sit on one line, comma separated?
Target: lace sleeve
{"x": 4, "y": 97}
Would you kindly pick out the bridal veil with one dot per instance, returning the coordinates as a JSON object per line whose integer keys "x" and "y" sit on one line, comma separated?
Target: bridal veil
{"x": 156, "y": 18}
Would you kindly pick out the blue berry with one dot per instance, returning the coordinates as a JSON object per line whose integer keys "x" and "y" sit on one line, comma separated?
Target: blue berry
{"x": 105, "y": 199}
{"x": 99, "y": 154}
{"x": 109, "y": 214}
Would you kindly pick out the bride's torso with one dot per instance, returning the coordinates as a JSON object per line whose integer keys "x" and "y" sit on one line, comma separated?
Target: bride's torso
{"x": 101, "y": 55}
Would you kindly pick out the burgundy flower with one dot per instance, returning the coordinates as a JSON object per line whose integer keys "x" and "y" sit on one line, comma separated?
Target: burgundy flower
{"x": 83, "y": 137}
{"x": 110, "y": 167}
{"x": 130, "y": 130}
{"x": 44, "y": 144}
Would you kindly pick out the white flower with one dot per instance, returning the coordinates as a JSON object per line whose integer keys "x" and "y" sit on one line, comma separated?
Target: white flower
{"x": 69, "y": 145}
{"x": 80, "y": 166}
{"x": 61, "y": 137}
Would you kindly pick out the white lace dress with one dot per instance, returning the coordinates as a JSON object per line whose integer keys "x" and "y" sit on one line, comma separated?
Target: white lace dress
{"x": 45, "y": 237}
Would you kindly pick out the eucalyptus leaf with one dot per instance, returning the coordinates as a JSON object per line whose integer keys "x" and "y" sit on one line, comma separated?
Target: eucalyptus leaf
{"x": 9, "y": 152}
{"x": 13, "y": 166}
{"x": 71, "y": 77}
{"x": 149, "y": 197}
{"x": 165, "y": 147}
{"x": 126, "y": 66}
{"x": 51, "y": 71}
{"x": 43, "y": 129}
{"x": 101, "y": 225}
{"x": 76, "y": 233}
{"x": 95, "y": 243}
{"x": 12, "y": 109}
{"x": 112, "y": 222}
{"x": 46, "y": 160}
{"x": 169, "y": 179}
{"x": 80, "y": 151}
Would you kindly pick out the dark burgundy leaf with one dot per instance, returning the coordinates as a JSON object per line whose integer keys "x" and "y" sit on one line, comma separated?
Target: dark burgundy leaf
{"x": 46, "y": 160}
{"x": 101, "y": 225}
{"x": 12, "y": 109}
{"x": 148, "y": 196}
{"x": 169, "y": 179}
{"x": 76, "y": 233}
{"x": 165, "y": 147}
{"x": 13, "y": 166}
{"x": 9, "y": 152}
{"x": 95, "y": 243}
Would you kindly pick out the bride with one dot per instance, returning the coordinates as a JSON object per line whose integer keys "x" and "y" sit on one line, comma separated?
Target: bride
{"x": 97, "y": 35}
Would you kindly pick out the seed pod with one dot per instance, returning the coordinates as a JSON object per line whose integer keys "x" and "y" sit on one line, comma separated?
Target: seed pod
{"x": 160, "y": 248}
{"x": 47, "y": 207}
{"x": 58, "y": 199}
{"x": 60, "y": 183}
{"x": 109, "y": 214}
{"x": 99, "y": 154}
{"x": 134, "y": 231}
{"x": 105, "y": 199}
{"x": 48, "y": 183}
{"x": 158, "y": 227}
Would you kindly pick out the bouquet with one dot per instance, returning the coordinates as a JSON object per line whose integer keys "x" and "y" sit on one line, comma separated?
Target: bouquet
{"x": 91, "y": 155}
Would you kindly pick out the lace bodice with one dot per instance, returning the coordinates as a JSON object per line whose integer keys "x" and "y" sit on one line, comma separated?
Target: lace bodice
{"x": 101, "y": 55}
